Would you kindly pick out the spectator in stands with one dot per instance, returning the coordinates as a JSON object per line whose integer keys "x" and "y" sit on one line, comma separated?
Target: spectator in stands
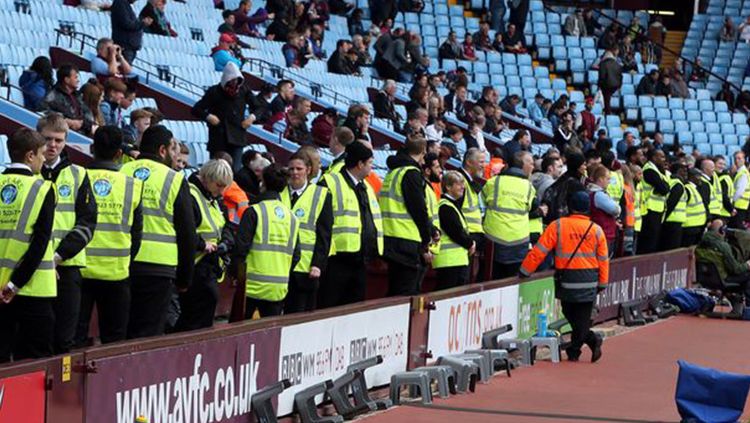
{"x": 497, "y": 15}
{"x": 454, "y": 142}
{"x": 223, "y": 108}
{"x": 593, "y": 27}
{"x": 248, "y": 178}
{"x": 109, "y": 61}
{"x": 519, "y": 9}
{"x": 360, "y": 46}
{"x": 481, "y": 38}
{"x": 282, "y": 103}
{"x": 451, "y": 49}
{"x": 535, "y": 109}
{"x": 415, "y": 64}
{"x": 154, "y": 9}
{"x": 627, "y": 141}
{"x": 664, "y": 87}
{"x": 317, "y": 12}
{"x": 36, "y": 82}
{"x": 475, "y": 137}
{"x": 564, "y": 133}
{"x": 551, "y": 169}
{"x": 513, "y": 40}
{"x": 588, "y": 119}
{"x": 604, "y": 210}
{"x": 338, "y": 62}
{"x": 419, "y": 100}
{"x": 610, "y": 77}
{"x": 140, "y": 120}
{"x": 467, "y": 48}
{"x": 456, "y": 102}
{"x": 510, "y": 103}
{"x": 715, "y": 249}
{"x": 279, "y": 6}
{"x": 698, "y": 73}
{"x": 743, "y": 102}
{"x": 489, "y": 96}
{"x": 223, "y": 54}
{"x": 521, "y": 141}
{"x": 114, "y": 93}
{"x": 279, "y": 28}
{"x": 65, "y": 98}
{"x": 679, "y": 87}
{"x": 393, "y": 62}
{"x": 728, "y": 30}
{"x": 293, "y": 53}
{"x": 127, "y": 29}
{"x": 354, "y": 23}
{"x": 647, "y": 85}
{"x": 726, "y": 95}
{"x": 323, "y": 126}
{"x": 657, "y": 33}
{"x": 497, "y": 43}
{"x": 744, "y": 30}
{"x": 358, "y": 120}
{"x": 414, "y": 123}
{"x": 609, "y": 39}
{"x": 384, "y": 104}
{"x": 434, "y": 131}
{"x": 575, "y": 24}
{"x": 382, "y": 10}
{"x": 296, "y": 128}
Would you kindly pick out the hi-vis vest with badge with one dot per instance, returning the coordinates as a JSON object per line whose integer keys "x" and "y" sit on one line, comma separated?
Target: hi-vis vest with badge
{"x": 651, "y": 200}
{"x": 696, "y": 210}
{"x": 307, "y": 210}
{"x": 679, "y": 213}
{"x": 68, "y": 183}
{"x": 471, "y": 209}
{"x": 726, "y": 180}
{"x": 451, "y": 254}
{"x": 347, "y": 223}
{"x": 160, "y": 188}
{"x": 21, "y": 200}
{"x": 117, "y": 196}
{"x": 616, "y": 187}
{"x": 508, "y": 200}
{"x": 743, "y": 202}
{"x": 212, "y": 219}
{"x": 269, "y": 260}
{"x": 714, "y": 199}
{"x": 397, "y": 222}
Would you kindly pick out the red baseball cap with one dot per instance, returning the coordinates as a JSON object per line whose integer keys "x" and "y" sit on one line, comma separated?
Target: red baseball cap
{"x": 227, "y": 38}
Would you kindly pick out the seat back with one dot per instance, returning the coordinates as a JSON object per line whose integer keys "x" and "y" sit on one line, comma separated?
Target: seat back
{"x": 707, "y": 275}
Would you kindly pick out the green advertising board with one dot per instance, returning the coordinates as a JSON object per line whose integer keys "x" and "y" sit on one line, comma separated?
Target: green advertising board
{"x": 533, "y": 297}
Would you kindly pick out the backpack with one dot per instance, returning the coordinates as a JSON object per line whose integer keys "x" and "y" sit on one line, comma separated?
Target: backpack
{"x": 691, "y": 300}
{"x": 556, "y": 197}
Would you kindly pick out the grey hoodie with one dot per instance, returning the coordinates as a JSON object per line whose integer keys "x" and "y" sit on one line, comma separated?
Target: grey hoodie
{"x": 231, "y": 72}
{"x": 541, "y": 181}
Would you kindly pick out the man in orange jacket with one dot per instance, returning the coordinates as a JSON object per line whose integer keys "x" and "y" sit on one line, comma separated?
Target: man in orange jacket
{"x": 582, "y": 270}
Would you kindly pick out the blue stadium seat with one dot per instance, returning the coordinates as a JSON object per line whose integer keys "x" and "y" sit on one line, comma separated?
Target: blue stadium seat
{"x": 663, "y": 113}
{"x": 660, "y": 102}
{"x": 715, "y": 139}
{"x": 713, "y": 128}
{"x": 685, "y": 137}
{"x": 700, "y": 137}
{"x": 691, "y": 104}
{"x": 645, "y": 101}
{"x": 681, "y": 126}
{"x": 728, "y": 128}
{"x": 706, "y": 105}
{"x": 693, "y": 115}
{"x": 678, "y": 114}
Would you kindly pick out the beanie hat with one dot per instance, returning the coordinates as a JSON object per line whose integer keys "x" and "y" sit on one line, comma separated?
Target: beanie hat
{"x": 356, "y": 152}
{"x": 579, "y": 202}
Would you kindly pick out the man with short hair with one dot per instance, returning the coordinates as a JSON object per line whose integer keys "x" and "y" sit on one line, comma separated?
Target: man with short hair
{"x": 725, "y": 188}
{"x": 337, "y": 63}
{"x": 741, "y": 197}
{"x": 655, "y": 188}
{"x": 28, "y": 286}
{"x": 65, "y": 99}
{"x": 536, "y": 113}
{"x": 358, "y": 120}
{"x": 75, "y": 220}
{"x": 109, "y": 61}
{"x": 456, "y": 102}
{"x": 627, "y": 141}
{"x": 245, "y": 24}
{"x": 341, "y": 138}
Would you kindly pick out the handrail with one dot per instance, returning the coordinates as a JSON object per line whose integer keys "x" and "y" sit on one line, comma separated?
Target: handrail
{"x": 642, "y": 37}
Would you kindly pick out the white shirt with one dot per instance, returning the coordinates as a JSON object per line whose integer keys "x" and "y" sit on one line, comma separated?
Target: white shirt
{"x": 299, "y": 192}
{"x": 433, "y": 134}
{"x": 22, "y": 166}
{"x": 53, "y": 165}
{"x": 353, "y": 178}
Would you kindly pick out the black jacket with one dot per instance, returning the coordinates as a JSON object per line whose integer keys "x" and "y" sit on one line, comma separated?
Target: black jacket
{"x": 339, "y": 64}
{"x": 85, "y": 208}
{"x": 661, "y": 187}
{"x": 127, "y": 29}
{"x": 249, "y": 182}
{"x": 647, "y": 86}
{"x": 449, "y": 107}
{"x": 136, "y": 230}
{"x": 71, "y": 106}
{"x": 726, "y": 199}
{"x": 385, "y": 109}
{"x": 450, "y": 224}
{"x": 227, "y": 232}
{"x": 230, "y": 111}
{"x": 323, "y": 231}
{"x": 184, "y": 225}
{"x": 40, "y": 237}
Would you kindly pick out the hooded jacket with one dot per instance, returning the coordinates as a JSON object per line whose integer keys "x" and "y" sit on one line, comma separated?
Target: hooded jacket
{"x": 34, "y": 89}
{"x": 229, "y": 109}
{"x": 610, "y": 72}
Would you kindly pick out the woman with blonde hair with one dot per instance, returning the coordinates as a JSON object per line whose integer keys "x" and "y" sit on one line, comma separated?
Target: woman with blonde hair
{"x": 456, "y": 245}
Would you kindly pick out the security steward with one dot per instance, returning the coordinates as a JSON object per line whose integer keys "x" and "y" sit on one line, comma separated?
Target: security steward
{"x": 75, "y": 219}
{"x": 340, "y": 139}
{"x": 357, "y": 233}
{"x": 655, "y": 188}
{"x": 726, "y": 188}
{"x": 408, "y": 226}
{"x": 456, "y": 244}
{"x": 27, "y": 268}
{"x": 214, "y": 239}
{"x": 696, "y": 213}
{"x": 167, "y": 255}
{"x": 511, "y": 202}
{"x": 710, "y": 184}
{"x": 313, "y": 208}
{"x": 472, "y": 170}
{"x": 675, "y": 213}
{"x": 582, "y": 270}
{"x": 266, "y": 248}
{"x": 116, "y": 241}
{"x": 741, "y": 197}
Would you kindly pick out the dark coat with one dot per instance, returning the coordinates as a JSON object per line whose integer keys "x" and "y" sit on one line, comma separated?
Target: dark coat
{"x": 231, "y": 113}
{"x": 127, "y": 29}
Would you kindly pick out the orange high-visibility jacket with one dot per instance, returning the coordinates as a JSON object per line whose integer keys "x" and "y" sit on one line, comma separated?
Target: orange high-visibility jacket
{"x": 578, "y": 277}
{"x": 236, "y": 202}
{"x": 375, "y": 182}
{"x": 629, "y": 206}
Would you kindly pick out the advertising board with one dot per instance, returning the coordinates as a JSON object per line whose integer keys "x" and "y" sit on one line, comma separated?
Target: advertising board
{"x": 23, "y": 398}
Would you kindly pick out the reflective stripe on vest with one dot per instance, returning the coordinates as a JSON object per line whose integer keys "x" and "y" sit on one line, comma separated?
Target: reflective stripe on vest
{"x": 695, "y": 215}
{"x": 397, "y": 222}
{"x": 725, "y": 180}
{"x": 68, "y": 183}
{"x": 451, "y": 254}
{"x": 160, "y": 188}
{"x": 651, "y": 199}
{"x": 638, "y": 204}
{"x": 470, "y": 208}
{"x": 616, "y": 186}
{"x": 678, "y": 214}
{"x": 21, "y": 200}
{"x": 714, "y": 200}
{"x": 117, "y": 196}
{"x": 347, "y": 224}
{"x": 307, "y": 210}
{"x": 269, "y": 260}
{"x": 212, "y": 219}
{"x": 508, "y": 200}
{"x": 743, "y": 202}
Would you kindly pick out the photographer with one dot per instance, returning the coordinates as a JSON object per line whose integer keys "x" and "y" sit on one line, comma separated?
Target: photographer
{"x": 109, "y": 61}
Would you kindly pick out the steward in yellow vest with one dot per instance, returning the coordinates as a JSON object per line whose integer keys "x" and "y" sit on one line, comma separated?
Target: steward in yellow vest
{"x": 116, "y": 241}
{"x": 696, "y": 213}
{"x": 725, "y": 188}
{"x": 357, "y": 233}
{"x": 654, "y": 191}
{"x": 75, "y": 219}
{"x": 27, "y": 269}
{"x": 471, "y": 203}
{"x": 267, "y": 247}
{"x": 675, "y": 213}
{"x": 408, "y": 219}
{"x": 741, "y": 197}
{"x": 312, "y": 206}
{"x": 167, "y": 255}
{"x": 214, "y": 238}
{"x": 456, "y": 244}
{"x": 341, "y": 137}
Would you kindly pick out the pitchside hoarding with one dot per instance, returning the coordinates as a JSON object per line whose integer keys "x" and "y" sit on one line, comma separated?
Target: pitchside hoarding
{"x": 535, "y": 297}
{"x": 316, "y": 351}
{"x": 204, "y": 382}
{"x": 22, "y": 398}
{"x": 457, "y": 324}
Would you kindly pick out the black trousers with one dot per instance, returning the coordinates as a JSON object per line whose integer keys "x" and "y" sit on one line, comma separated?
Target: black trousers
{"x": 67, "y": 306}
{"x": 648, "y": 239}
{"x": 480, "y": 240}
{"x": 344, "y": 282}
{"x": 691, "y": 236}
{"x": 112, "y": 300}
{"x": 303, "y": 293}
{"x": 505, "y": 270}
{"x": 148, "y": 309}
{"x": 738, "y": 220}
{"x": 405, "y": 280}
{"x": 671, "y": 236}
{"x": 198, "y": 303}
{"x": 265, "y": 308}
{"x": 451, "y": 277}
{"x": 27, "y": 328}
{"x": 579, "y": 317}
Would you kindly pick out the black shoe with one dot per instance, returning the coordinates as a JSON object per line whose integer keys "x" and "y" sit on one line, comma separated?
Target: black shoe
{"x": 596, "y": 350}
{"x": 572, "y": 355}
